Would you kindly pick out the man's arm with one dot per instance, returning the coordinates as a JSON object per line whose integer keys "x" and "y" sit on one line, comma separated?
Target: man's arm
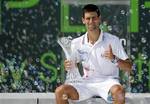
{"x": 125, "y": 65}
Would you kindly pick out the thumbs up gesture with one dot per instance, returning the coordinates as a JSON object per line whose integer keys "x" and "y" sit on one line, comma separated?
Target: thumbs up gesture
{"x": 108, "y": 53}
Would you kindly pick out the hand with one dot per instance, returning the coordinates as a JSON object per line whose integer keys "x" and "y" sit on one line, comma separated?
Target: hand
{"x": 108, "y": 54}
{"x": 67, "y": 64}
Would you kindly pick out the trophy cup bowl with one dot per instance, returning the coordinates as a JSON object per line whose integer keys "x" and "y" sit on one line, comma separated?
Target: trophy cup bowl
{"x": 72, "y": 75}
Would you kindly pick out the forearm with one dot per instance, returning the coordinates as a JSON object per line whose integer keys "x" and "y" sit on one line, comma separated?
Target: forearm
{"x": 125, "y": 65}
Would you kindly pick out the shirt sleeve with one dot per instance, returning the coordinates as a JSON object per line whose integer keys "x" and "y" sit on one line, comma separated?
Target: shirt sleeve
{"x": 119, "y": 50}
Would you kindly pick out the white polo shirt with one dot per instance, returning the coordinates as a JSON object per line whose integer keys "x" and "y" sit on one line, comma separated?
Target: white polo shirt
{"x": 95, "y": 66}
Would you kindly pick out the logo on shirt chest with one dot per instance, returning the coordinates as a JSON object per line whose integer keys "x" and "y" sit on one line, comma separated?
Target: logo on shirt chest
{"x": 83, "y": 55}
{"x": 84, "y": 52}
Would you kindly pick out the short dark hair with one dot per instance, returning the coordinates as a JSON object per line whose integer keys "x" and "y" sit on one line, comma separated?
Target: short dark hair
{"x": 90, "y": 8}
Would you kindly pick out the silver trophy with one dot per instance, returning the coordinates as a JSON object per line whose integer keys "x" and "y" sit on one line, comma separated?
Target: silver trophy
{"x": 72, "y": 75}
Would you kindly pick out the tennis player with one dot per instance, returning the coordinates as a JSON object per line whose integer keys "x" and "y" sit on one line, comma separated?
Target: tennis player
{"x": 102, "y": 56}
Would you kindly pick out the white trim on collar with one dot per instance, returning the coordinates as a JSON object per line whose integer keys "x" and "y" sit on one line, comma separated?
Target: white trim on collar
{"x": 101, "y": 38}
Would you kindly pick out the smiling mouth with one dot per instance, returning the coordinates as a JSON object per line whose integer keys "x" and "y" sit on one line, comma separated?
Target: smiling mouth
{"x": 92, "y": 27}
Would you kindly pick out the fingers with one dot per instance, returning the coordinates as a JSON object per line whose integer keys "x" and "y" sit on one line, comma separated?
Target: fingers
{"x": 106, "y": 54}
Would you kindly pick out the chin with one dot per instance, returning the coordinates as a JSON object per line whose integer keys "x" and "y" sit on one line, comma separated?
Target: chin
{"x": 92, "y": 29}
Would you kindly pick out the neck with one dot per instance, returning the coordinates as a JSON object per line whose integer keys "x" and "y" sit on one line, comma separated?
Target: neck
{"x": 93, "y": 36}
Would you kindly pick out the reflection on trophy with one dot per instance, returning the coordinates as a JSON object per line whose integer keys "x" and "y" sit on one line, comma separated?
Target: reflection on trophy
{"x": 73, "y": 75}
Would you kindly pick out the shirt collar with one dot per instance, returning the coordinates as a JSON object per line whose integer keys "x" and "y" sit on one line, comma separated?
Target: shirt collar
{"x": 101, "y": 38}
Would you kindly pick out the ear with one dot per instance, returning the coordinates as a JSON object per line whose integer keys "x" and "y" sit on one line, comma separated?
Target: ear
{"x": 99, "y": 18}
{"x": 83, "y": 20}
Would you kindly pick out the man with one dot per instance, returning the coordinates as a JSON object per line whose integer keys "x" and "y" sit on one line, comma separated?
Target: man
{"x": 101, "y": 55}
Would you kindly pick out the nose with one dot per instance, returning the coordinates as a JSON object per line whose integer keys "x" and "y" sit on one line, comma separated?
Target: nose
{"x": 91, "y": 20}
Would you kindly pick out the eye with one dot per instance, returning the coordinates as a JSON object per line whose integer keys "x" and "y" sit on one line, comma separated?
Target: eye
{"x": 87, "y": 19}
{"x": 92, "y": 18}
{"x": 95, "y": 18}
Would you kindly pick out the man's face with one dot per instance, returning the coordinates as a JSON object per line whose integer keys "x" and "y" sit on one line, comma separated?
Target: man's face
{"x": 91, "y": 21}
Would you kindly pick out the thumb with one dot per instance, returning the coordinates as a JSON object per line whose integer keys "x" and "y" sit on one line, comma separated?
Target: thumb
{"x": 110, "y": 48}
